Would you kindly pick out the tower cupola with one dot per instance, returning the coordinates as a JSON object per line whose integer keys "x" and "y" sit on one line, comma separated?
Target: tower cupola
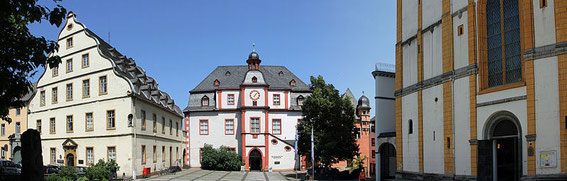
{"x": 253, "y": 61}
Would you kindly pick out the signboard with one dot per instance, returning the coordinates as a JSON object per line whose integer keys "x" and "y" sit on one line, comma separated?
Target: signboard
{"x": 547, "y": 159}
{"x": 60, "y": 161}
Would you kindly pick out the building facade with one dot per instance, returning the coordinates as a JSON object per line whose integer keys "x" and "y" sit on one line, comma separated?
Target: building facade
{"x": 481, "y": 89}
{"x": 10, "y": 133}
{"x": 384, "y": 120}
{"x": 252, "y": 109}
{"x": 97, "y": 104}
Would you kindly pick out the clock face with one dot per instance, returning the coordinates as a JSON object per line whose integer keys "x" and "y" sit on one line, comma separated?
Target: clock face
{"x": 255, "y": 95}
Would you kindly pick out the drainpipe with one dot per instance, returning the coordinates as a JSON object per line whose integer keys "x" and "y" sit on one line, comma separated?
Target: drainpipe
{"x": 453, "y": 122}
{"x": 134, "y": 154}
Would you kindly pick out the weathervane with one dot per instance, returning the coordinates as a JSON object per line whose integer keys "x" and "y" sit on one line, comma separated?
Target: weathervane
{"x": 253, "y": 47}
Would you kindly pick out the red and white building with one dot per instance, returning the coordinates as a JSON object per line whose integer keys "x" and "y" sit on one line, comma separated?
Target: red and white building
{"x": 251, "y": 109}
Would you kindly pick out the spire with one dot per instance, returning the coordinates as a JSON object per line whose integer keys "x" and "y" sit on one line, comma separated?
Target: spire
{"x": 253, "y": 59}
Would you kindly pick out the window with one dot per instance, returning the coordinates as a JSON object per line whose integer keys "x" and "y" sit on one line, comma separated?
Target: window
{"x": 143, "y": 120}
{"x": 542, "y": 3}
{"x": 54, "y": 95}
{"x": 89, "y": 121}
{"x": 18, "y": 128}
{"x": 373, "y": 154}
{"x": 229, "y": 126}
{"x": 18, "y": 111}
{"x": 287, "y": 148}
{"x": 55, "y": 71}
{"x": 110, "y": 120}
{"x": 276, "y": 126}
{"x": 255, "y": 125}
{"x": 410, "y": 127}
{"x": 460, "y": 30}
{"x": 90, "y": 156}
{"x": 170, "y": 127}
{"x": 155, "y": 123}
{"x": 292, "y": 83}
{"x": 102, "y": 89}
{"x": 176, "y": 128}
{"x": 254, "y": 103}
{"x": 205, "y": 101}
{"x": 86, "y": 88}
{"x": 373, "y": 142}
{"x": 143, "y": 154}
{"x": 52, "y": 125}
{"x": 85, "y": 60}
{"x": 503, "y": 51}
{"x": 70, "y": 42}
{"x": 52, "y": 155}
{"x": 3, "y": 153}
{"x": 300, "y": 100}
{"x": 111, "y": 153}
{"x": 276, "y": 99}
{"x": 203, "y": 127}
{"x": 42, "y": 98}
{"x": 69, "y": 123}
{"x": 162, "y": 125}
{"x": 176, "y": 153}
{"x": 163, "y": 153}
{"x": 230, "y": 99}
{"x": 254, "y": 79}
{"x": 3, "y": 130}
{"x": 69, "y": 92}
{"x": 69, "y": 65}
{"x": 217, "y": 83}
{"x": 155, "y": 154}
{"x": 38, "y": 125}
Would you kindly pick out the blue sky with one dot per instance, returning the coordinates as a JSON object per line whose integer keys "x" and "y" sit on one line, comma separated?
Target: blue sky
{"x": 180, "y": 42}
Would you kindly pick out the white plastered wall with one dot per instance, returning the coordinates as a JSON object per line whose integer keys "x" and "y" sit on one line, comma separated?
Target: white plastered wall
{"x": 410, "y": 63}
{"x": 460, "y": 42}
{"x": 216, "y": 136}
{"x": 547, "y": 111}
{"x": 544, "y": 23}
{"x": 458, "y": 4}
{"x": 410, "y": 141}
{"x": 461, "y": 126}
{"x": 431, "y": 12}
{"x": 385, "y": 109}
{"x": 433, "y": 152}
{"x": 409, "y": 19}
{"x": 432, "y": 53}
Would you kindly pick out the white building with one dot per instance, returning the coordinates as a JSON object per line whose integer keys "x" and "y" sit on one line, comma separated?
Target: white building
{"x": 385, "y": 124}
{"x": 99, "y": 105}
{"x": 252, "y": 109}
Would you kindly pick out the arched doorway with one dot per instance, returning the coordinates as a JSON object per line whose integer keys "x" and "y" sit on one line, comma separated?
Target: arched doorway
{"x": 387, "y": 161}
{"x": 70, "y": 159}
{"x": 17, "y": 157}
{"x": 255, "y": 160}
{"x": 499, "y": 156}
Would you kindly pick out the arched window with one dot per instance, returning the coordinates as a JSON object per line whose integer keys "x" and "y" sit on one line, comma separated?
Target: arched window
{"x": 300, "y": 100}
{"x": 217, "y": 83}
{"x": 205, "y": 101}
{"x": 254, "y": 79}
{"x": 292, "y": 82}
{"x": 502, "y": 61}
{"x": 410, "y": 127}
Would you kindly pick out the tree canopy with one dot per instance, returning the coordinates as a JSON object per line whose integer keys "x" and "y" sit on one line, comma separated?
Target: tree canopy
{"x": 332, "y": 119}
{"x": 21, "y": 53}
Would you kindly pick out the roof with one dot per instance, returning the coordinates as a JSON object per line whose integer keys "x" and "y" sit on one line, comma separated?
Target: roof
{"x": 231, "y": 77}
{"x": 144, "y": 87}
{"x": 30, "y": 93}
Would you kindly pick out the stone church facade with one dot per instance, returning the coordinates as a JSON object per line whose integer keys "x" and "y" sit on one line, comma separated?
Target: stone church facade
{"x": 481, "y": 89}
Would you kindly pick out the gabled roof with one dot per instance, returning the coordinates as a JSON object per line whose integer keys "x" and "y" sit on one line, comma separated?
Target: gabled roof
{"x": 144, "y": 87}
{"x": 231, "y": 77}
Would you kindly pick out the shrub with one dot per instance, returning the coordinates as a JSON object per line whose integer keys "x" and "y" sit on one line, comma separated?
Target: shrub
{"x": 101, "y": 170}
{"x": 83, "y": 179}
{"x": 68, "y": 173}
{"x": 53, "y": 177}
{"x": 220, "y": 159}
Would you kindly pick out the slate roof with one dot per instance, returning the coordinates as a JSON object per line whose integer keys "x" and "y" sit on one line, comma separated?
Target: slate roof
{"x": 231, "y": 77}
{"x": 30, "y": 93}
{"x": 144, "y": 86}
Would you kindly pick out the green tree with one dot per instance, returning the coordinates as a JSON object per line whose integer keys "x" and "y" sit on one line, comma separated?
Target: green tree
{"x": 220, "y": 159}
{"x": 68, "y": 174}
{"x": 332, "y": 119}
{"x": 21, "y": 53}
{"x": 102, "y": 170}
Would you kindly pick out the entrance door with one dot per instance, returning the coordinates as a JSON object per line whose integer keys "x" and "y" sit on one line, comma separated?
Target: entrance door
{"x": 255, "y": 160}
{"x": 70, "y": 159}
{"x": 387, "y": 161}
{"x": 507, "y": 159}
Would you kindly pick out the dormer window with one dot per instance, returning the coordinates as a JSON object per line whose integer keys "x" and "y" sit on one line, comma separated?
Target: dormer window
{"x": 205, "y": 101}
{"x": 300, "y": 100}
{"x": 217, "y": 83}
{"x": 254, "y": 79}
{"x": 292, "y": 82}
{"x": 227, "y": 73}
{"x": 281, "y": 73}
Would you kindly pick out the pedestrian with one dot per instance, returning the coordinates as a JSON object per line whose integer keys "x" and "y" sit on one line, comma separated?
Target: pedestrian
{"x": 362, "y": 176}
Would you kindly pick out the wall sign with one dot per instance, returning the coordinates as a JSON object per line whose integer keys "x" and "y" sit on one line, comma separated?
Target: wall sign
{"x": 547, "y": 159}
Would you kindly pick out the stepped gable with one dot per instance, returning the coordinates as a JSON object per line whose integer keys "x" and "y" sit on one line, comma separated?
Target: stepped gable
{"x": 144, "y": 86}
